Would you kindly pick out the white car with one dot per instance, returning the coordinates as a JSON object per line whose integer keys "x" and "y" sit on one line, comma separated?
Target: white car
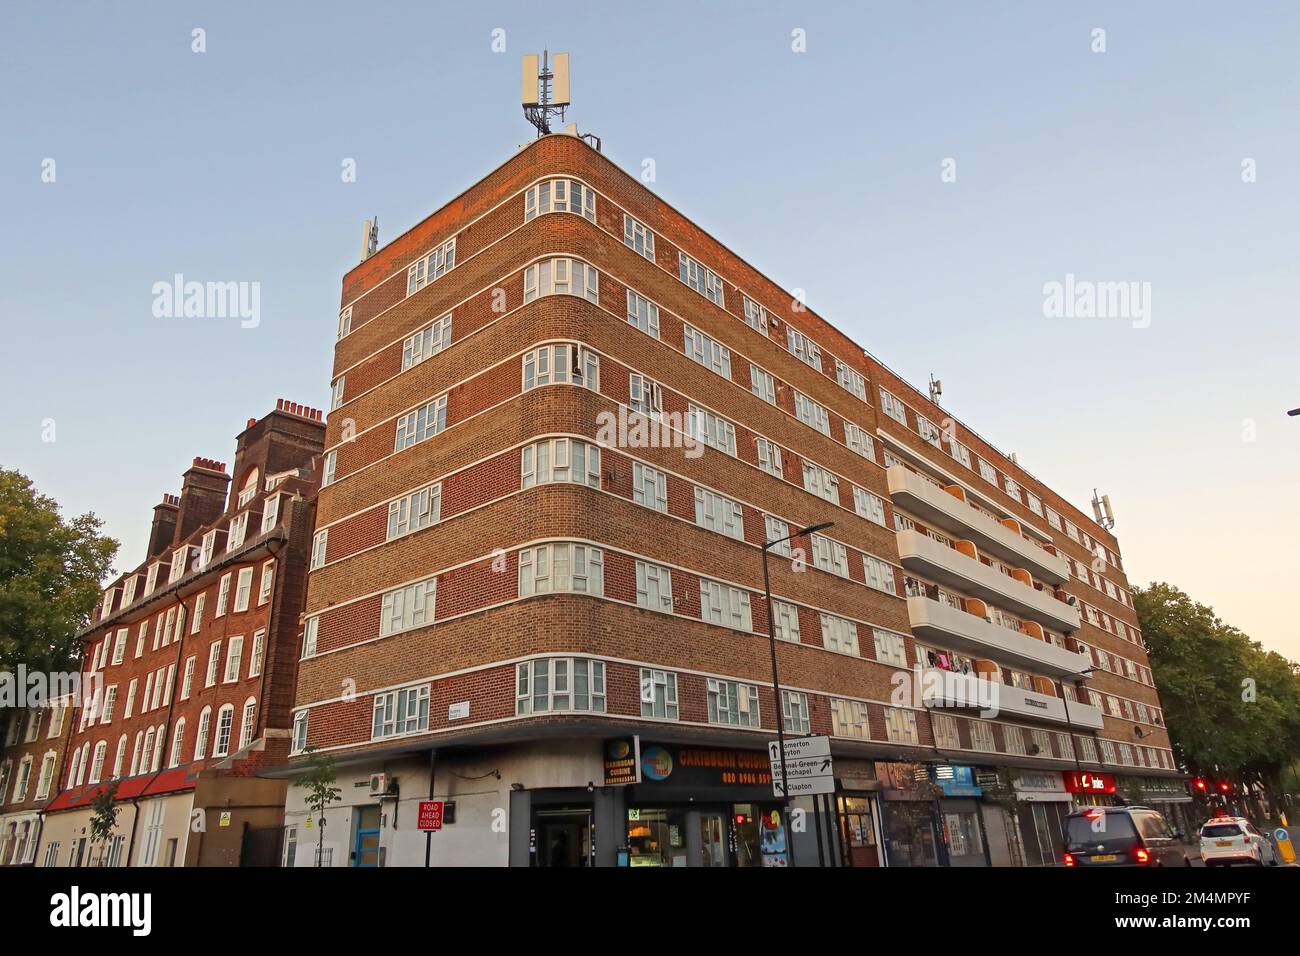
{"x": 1228, "y": 840}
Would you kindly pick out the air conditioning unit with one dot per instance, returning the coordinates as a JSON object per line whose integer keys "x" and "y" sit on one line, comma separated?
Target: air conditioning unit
{"x": 378, "y": 784}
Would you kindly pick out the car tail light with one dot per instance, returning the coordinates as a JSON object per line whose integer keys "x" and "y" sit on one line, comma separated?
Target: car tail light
{"x": 1069, "y": 859}
{"x": 1142, "y": 855}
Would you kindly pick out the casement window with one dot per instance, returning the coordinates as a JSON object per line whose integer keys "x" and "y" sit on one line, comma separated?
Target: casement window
{"x": 785, "y": 621}
{"x": 642, "y": 313}
{"x": 858, "y": 441}
{"x": 810, "y": 413}
{"x": 928, "y": 430}
{"x": 560, "y": 195}
{"x": 560, "y": 684}
{"x": 1053, "y": 519}
{"x": 1072, "y": 530}
{"x": 265, "y": 585}
{"x": 259, "y": 650}
{"x": 644, "y": 396}
{"x": 719, "y": 514}
{"x": 559, "y": 460}
{"x": 429, "y": 267}
{"x": 178, "y": 742}
{"x": 150, "y": 580}
{"x": 238, "y": 530}
{"x": 199, "y": 602}
{"x": 561, "y": 277}
{"x": 130, "y": 698}
{"x": 426, "y": 343}
{"x": 945, "y": 731}
{"x": 850, "y": 380}
{"x": 119, "y": 646}
{"x": 329, "y": 467}
{"x": 320, "y": 541}
{"x": 110, "y": 700}
{"x": 409, "y": 513}
{"x": 1034, "y": 503}
{"x": 201, "y": 739}
{"x": 46, "y": 779}
{"x": 959, "y": 451}
{"x": 243, "y": 589}
{"x": 891, "y": 460}
{"x": 208, "y": 548}
{"x": 225, "y": 723}
{"x": 336, "y": 392}
{"x": 309, "y": 631}
{"x": 713, "y": 430}
{"x": 179, "y": 559}
{"x": 1014, "y": 740}
{"x": 398, "y": 712}
{"x": 128, "y": 590}
{"x": 408, "y": 607}
{"x": 722, "y": 604}
{"x": 762, "y": 384}
{"x": 769, "y": 457}
{"x": 778, "y": 531}
{"x": 829, "y": 555}
{"x": 658, "y": 693}
{"x": 649, "y": 487}
{"x": 639, "y": 237}
{"x": 96, "y": 768}
{"x": 1042, "y": 742}
{"x": 58, "y": 714}
{"x": 1012, "y": 487}
{"x": 849, "y": 718}
{"x": 893, "y": 406}
{"x": 699, "y": 278}
{"x": 187, "y": 678}
{"x": 821, "y": 482}
{"x": 988, "y": 472}
{"x": 839, "y": 634}
{"x": 421, "y": 424}
{"x": 1087, "y": 749}
{"x": 654, "y": 586}
{"x": 732, "y": 703}
{"x": 869, "y": 506}
{"x": 223, "y": 595}
{"x": 1065, "y": 745}
{"x": 270, "y": 513}
{"x": 234, "y": 656}
{"x": 562, "y": 364}
{"x": 890, "y": 647}
{"x": 157, "y": 632}
{"x": 345, "y": 321}
{"x": 162, "y": 685}
{"x": 900, "y": 726}
{"x": 981, "y": 736}
{"x": 299, "y": 732}
{"x": 214, "y": 662}
{"x": 794, "y": 708}
{"x": 755, "y": 315}
{"x": 804, "y": 348}
{"x": 556, "y": 568}
{"x": 707, "y": 352}
{"x": 879, "y": 574}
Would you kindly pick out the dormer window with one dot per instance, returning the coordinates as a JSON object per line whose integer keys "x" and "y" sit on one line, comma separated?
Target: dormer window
{"x": 270, "y": 513}
{"x": 151, "y": 578}
{"x": 209, "y": 545}
{"x": 250, "y": 488}
{"x": 238, "y": 529}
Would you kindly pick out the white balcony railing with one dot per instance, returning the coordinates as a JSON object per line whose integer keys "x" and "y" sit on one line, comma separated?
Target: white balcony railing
{"x": 949, "y": 627}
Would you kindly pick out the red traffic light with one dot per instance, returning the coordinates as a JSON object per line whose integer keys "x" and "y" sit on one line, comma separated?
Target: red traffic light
{"x": 1225, "y": 787}
{"x": 1199, "y": 783}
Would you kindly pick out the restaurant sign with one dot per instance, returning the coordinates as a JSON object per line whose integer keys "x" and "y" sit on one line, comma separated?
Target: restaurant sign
{"x": 1084, "y": 781}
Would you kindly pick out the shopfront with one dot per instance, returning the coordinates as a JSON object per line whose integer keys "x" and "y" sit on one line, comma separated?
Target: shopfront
{"x": 1089, "y": 789}
{"x": 1042, "y": 804}
{"x": 959, "y": 815}
{"x": 696, "y": 806}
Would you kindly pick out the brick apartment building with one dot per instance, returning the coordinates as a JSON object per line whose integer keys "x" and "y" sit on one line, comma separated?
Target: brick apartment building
{"x": 505, "y": 600}
{"x": 31, "y": 755}
{"x": 192, "y": 659}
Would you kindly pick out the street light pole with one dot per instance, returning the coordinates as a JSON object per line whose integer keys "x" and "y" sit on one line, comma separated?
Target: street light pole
{"x": 1069, "y": 726}
{"x": 776, "y": 681}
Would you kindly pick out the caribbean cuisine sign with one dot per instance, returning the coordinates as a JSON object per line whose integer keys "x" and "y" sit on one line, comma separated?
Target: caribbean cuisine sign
{"x": 701, "y": 767}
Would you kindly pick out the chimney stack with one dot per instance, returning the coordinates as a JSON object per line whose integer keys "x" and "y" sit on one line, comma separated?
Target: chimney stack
{"x": 164, "y": 525}
{"x": 203, "y": 497}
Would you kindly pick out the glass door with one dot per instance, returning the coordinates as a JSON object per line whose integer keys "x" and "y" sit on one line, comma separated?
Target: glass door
{"x": 713, "y": 839}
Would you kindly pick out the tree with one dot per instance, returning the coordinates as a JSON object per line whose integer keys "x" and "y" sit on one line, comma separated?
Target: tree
{"x": 50, "y": 574}
{"x": 318, "y": 780}
{"x": 1232, "y": 709}
{"x": 103, "y": 819}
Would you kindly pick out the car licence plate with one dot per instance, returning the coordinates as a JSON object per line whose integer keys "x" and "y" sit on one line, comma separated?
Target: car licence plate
{"x": 1104, "y": 858}
{"x": 1223, "y": 843}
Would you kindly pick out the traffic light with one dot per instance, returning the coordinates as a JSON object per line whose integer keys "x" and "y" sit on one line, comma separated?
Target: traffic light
{"x": 1199, "y": 784}
{"x": 1225, "y": 787}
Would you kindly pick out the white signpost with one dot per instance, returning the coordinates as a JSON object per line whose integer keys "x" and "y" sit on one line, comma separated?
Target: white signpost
{"x": 808, "y": 765}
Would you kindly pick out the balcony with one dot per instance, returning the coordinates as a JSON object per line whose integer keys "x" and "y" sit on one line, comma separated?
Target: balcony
{"x": 949, "y": 627}
{"x": 924, "y": 555}
{"x": 969, "y": 692}
{"x": 950, "y": 513}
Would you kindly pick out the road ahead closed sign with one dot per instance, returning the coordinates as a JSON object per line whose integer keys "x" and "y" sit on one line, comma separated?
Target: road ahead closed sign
{"x": 430, "y": 814}
{"x": 808, "y": 766}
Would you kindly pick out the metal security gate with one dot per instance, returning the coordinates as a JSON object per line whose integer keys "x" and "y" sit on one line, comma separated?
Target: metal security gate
{"x": 260, "y": 846}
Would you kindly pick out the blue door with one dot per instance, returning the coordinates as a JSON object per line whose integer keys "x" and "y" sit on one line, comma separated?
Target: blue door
{"x": 365, "y": 842}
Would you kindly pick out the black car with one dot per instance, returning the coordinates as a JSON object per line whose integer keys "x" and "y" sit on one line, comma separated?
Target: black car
{"x": 1122, "y": 836}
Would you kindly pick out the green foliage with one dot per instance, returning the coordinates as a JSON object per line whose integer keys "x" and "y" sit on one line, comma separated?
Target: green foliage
{"x": 50, "y": 574}
{"x": 104, "y": 813}
{"x": 318, "y": 780}
{"x": 1228, "y": 703}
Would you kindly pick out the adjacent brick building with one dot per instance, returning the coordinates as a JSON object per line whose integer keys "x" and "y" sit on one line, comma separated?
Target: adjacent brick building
{"x": 512, "y": 595}
{"x": 192, "y": 658}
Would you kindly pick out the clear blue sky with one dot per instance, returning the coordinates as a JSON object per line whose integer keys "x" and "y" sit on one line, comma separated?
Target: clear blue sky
{"x": 821, "y": 168}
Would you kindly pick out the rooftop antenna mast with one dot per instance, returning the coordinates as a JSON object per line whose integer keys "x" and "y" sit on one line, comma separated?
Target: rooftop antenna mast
{"x": 1101, "y": 510}
{"x": 936, "y": 389}
{"x": 545, "y": 90}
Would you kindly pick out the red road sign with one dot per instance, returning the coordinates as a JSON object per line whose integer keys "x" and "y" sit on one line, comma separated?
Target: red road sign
{"x": 430, "y": 814}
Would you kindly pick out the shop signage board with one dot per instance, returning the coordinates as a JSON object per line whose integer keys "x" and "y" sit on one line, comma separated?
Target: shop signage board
{"x": 623, "y": 761}
{"x": 809, "y": 768}
{"x": 1084, "y": 781}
